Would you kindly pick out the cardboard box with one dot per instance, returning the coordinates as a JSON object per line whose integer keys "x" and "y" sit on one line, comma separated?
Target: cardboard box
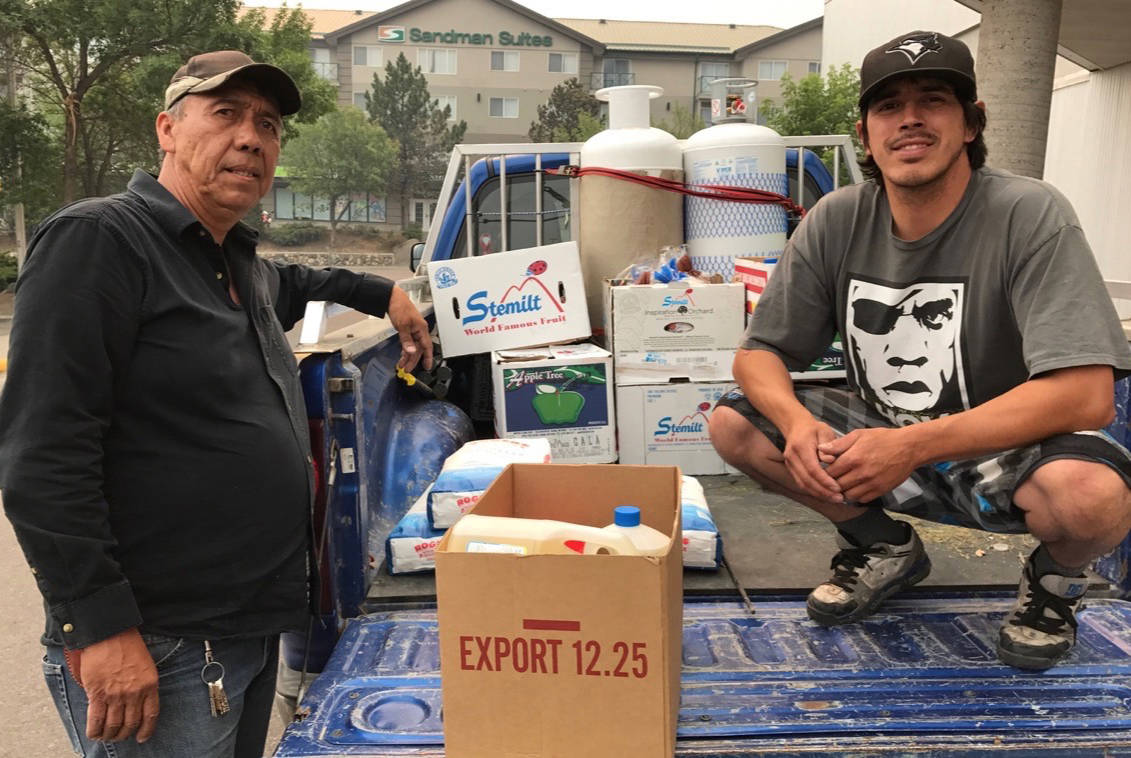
{"x": 533, "y": 296}
{"x": 564, "y": 394}
{"x": 755, "y": 273}
{"x": 657, "y": 332}
{"x": 666, "y": 424}
{"x": 564, "y": 655}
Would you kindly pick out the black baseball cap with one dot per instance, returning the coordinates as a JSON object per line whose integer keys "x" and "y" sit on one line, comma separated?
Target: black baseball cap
{"x": 209, "y": 71}
{"x": 919, "y": 53}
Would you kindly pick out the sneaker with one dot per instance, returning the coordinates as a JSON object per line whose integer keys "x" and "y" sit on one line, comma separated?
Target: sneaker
{"x": 1041, "y": 629}
{"x": 863, "y": 577}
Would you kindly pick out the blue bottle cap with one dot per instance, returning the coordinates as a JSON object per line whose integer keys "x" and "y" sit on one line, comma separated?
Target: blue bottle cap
{"x": 626, "y": 515}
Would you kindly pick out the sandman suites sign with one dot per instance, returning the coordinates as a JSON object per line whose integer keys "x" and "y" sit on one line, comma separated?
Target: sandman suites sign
{"x": 457, "y": 37}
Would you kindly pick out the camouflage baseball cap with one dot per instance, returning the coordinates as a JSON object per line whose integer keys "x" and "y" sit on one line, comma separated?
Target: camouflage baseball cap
{"x": 923, "y": 54}
{"x": 209, "y": 71}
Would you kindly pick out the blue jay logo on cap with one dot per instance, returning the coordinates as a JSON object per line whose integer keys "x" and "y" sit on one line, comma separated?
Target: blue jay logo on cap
{"x": 916, "y": 46}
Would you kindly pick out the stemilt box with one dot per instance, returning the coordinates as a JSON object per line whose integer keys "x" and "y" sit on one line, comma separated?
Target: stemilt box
{"x": 667, "y": 424}
{"x": 563, "y": 394}
{"x": 533, "y": 296}
{"x": 564, "y": 655}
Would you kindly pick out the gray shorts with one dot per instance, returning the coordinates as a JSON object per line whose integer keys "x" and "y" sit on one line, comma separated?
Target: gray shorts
{"x": 976, "y": 493}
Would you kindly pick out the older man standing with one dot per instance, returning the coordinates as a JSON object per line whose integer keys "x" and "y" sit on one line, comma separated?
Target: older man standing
{"x": 154, "y": 456}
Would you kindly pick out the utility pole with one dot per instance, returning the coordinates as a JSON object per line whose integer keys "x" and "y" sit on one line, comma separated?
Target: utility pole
{"x": 21, "y": 232}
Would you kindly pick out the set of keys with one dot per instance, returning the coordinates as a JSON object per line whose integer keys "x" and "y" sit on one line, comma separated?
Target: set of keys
{"x": 213, "y": 676}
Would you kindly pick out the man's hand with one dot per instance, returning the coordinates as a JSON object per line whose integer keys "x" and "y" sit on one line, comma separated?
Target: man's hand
{"x": 121, "y": 686}
{"x": 413, "y": 329}
{"x": 869, "y": 462}
{"x": 803, "y": 459}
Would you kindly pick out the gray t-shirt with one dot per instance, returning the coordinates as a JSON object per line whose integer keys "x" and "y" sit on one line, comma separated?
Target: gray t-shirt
{"x": 1006, "y": 288}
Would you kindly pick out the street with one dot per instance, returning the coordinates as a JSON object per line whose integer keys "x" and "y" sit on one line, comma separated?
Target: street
{"x": 32, "y": 729}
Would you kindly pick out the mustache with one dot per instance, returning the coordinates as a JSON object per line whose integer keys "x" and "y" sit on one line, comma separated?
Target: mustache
{"x": 915, "y": 136}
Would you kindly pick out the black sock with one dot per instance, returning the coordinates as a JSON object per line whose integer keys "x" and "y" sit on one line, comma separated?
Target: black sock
{"x": 872, "y": 526}
{"x": 1043, "y": 563}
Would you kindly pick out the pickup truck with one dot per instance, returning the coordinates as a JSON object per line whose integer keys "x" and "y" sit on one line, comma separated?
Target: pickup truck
{"x": 758, "y": 678}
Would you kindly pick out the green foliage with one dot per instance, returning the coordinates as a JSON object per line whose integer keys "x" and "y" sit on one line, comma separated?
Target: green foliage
{"x": 571, "y": 114}
{"x": 7, "y": 270}
{"x": 413, "y": 231}
{"x": 294, "y": 234}
{"x": 97, "y": 71}
{"x": 286, "y": 44}
{"x": 816, "y": 104}
{"x": 683, "y": 122}
{"x": 340, "y": 154}
{"x": 587, "y": 126}
{"x": 402, "y": 105}
{"x": 27, "y": 162}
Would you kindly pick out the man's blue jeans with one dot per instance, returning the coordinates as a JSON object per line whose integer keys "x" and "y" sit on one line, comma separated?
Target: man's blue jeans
{"x": 185, "y": 726}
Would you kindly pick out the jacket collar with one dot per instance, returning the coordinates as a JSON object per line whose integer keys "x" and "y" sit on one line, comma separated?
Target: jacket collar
{"x": 176, "y": 219}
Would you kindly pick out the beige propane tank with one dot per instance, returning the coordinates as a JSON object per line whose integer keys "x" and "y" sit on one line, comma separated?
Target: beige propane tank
{"x": 620, "y": 220}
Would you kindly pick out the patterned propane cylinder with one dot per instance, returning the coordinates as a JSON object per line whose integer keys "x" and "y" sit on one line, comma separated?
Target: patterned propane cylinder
{"x": 718, "y": 231}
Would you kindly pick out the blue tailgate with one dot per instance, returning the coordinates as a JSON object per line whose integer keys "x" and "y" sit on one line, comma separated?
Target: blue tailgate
{"x": 920, "y": 675}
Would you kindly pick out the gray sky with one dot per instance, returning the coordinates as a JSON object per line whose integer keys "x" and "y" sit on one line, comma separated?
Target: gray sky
{"x": 782, "y": 13}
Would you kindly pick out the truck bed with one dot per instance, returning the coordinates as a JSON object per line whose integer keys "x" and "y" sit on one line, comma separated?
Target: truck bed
{"x": 919, "y": 676}
{"x": 776, "y": 546}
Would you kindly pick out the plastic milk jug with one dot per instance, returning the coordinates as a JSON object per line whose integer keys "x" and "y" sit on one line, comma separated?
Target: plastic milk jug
{"x": 647, "y": 541}
{"x": 522, "y": 536}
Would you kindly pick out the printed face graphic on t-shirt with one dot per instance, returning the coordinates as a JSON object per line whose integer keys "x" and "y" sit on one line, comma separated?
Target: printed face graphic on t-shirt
{"x": 905, "y": 346}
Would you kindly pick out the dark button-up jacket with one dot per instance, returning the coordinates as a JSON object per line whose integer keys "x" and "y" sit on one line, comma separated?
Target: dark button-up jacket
{"x": 154, "y": 456}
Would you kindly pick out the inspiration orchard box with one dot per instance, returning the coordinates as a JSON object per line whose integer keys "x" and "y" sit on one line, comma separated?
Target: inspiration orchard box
{"x": 563, "y": 394}
{"x": 533, "y": 296}
{"x": 660, "y": 331}
{"x": 564, "y": 655}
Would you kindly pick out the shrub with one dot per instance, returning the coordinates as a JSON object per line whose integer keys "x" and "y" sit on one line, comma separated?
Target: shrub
{"x": 362, "y": 230}
{"x": 294, "y": 234}
{"x": 7, "y": 270}
{"x": 414, "y": 230}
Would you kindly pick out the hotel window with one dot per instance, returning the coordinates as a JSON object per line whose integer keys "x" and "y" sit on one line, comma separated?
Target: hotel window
{"x": 366, "y": 55}
{"x": 359, "y": 100}
{"x": 616, "y": 72}
{"x": 771, "y": 70}
{"x": 504, "y": 60}
{"x": 503, "y": 107}
{"x": 709, "y": 72}
{"x": 433, "y": 61}
{"x": 814, "y": 67}
{"x": 450, "y": 101}
{"x": 563, "y": 63}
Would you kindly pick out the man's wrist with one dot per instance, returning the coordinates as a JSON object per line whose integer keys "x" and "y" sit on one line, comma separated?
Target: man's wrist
{"x": 919, "y": 441}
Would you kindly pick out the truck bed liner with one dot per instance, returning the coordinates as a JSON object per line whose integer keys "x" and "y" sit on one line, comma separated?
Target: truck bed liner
{"x": 921, "y": 675}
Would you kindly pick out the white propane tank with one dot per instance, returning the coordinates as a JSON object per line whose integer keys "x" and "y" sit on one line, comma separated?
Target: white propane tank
{"x": 736, "y": 154}
{"x": 621, "y": 220}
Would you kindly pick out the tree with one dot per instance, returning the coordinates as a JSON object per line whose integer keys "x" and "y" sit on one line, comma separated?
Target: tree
{"x": 26, "y": 155}
{"x": 563, "y": 117}
{"x": 401, "y": 104}
{"x": 816, "y": 104}
{"x": 683, "y": 123}
{"x": 98, "y": 69}
{"x": 339, "y": 155}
